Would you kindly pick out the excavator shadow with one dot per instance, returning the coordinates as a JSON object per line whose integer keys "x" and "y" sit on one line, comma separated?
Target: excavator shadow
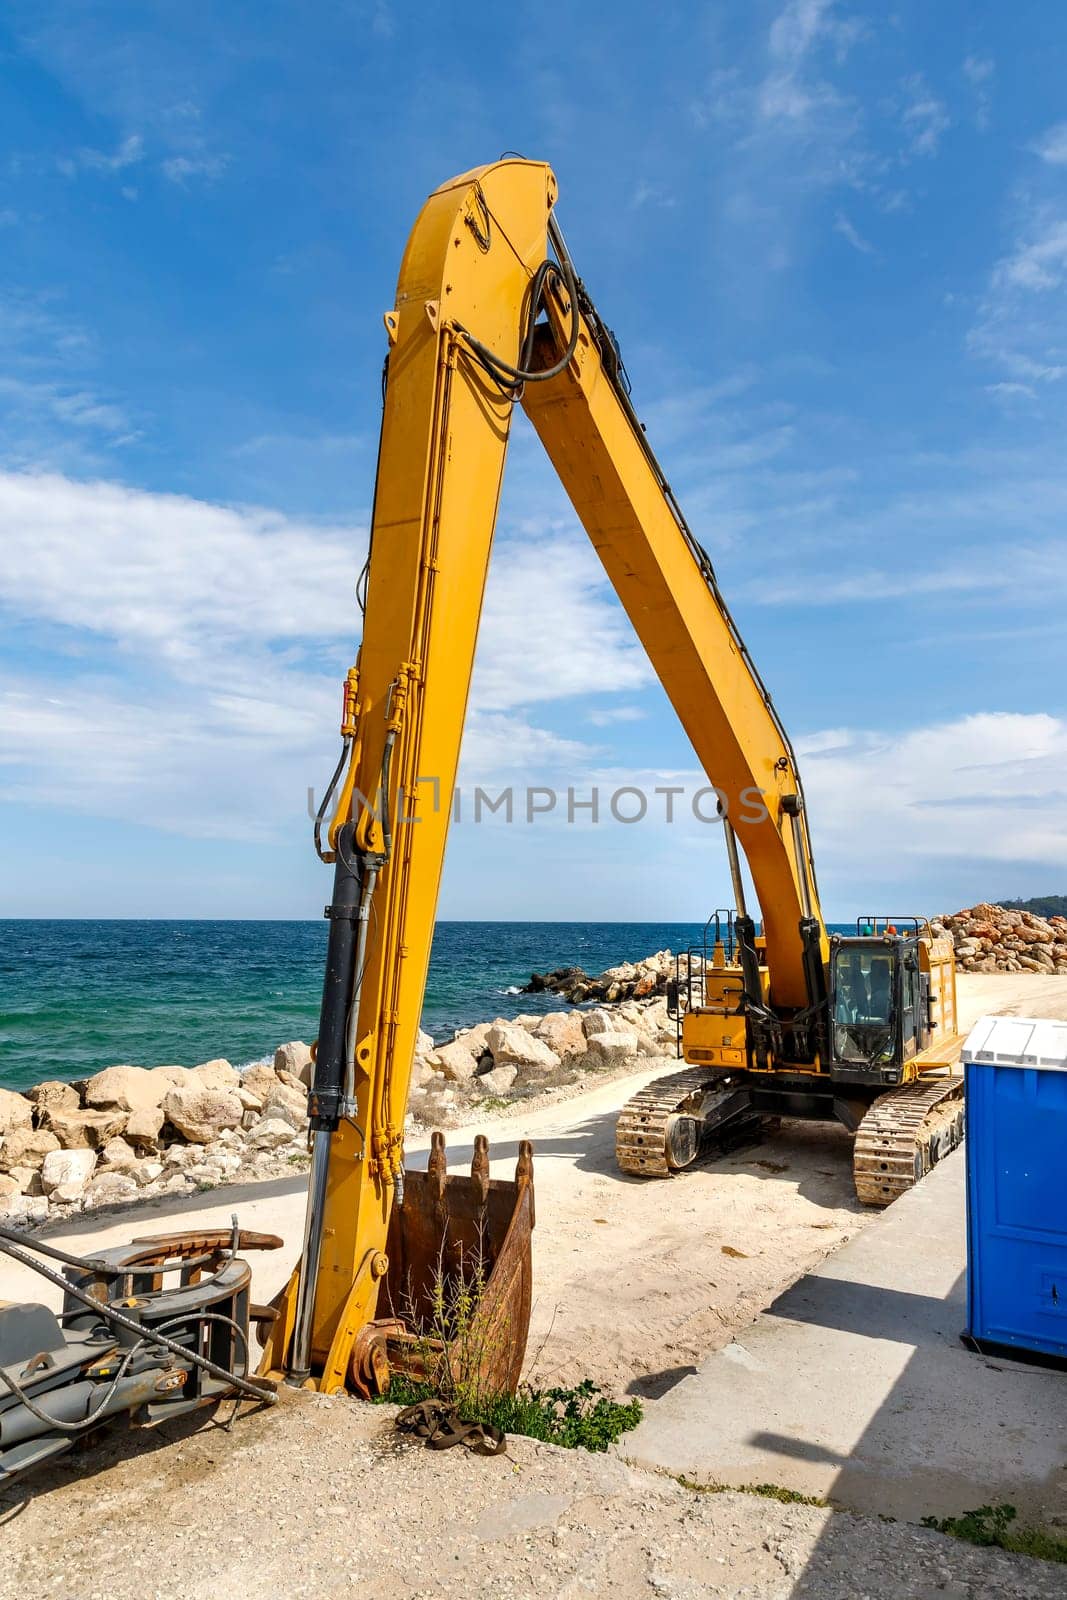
{"x": 814, "y": 1158}
{"x": 589, "y": 1146}
{"x": 114, "y": 1443}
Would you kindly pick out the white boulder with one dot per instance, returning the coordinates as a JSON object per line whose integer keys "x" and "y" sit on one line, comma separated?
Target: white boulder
{"x": 260, "y": 1079}
{"x": 26, "y": 1147}
{"x": 202, "y": 1113}
{"x": 497, "y": 1082}
{"x": 144, "y": 1127}
{"x": 287, "y": 1105}
{"x": 512, "y": 1046}
{"x": 78, "y": 1130}
{"x": 271, "y": 1134}
{"x": 218, "y": 1074}
{"x": 15, "y": 1111}
{"x": 124, "y": 1089}
{"x": 54, "y": 1093}
{"x": 294, "y": 1058}
{"x": 459, "y": 1059}
{"x": 562, "y": 1031}
{"x": 611, "y": 1047}
{"x": 110, "y": 1188}
{"x": 69, "y": 1170}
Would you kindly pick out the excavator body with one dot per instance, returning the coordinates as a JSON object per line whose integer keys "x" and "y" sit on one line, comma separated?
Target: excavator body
{"x": 882, "y": 1067}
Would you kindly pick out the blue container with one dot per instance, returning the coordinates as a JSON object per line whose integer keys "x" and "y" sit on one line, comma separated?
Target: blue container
{"x": 1016, "y": 1091}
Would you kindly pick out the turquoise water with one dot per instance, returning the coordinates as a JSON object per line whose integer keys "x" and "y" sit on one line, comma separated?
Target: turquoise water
{"x": 78, "y": 996}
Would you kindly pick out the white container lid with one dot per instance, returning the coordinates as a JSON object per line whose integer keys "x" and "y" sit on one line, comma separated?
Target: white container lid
{"x": 1017, "y": 1042}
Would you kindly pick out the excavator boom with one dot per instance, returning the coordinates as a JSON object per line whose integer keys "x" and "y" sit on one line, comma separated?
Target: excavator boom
{"x": 489, "y": 312}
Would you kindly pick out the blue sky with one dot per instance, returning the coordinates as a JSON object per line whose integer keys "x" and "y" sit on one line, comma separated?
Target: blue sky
{"x": 833, "y": 243}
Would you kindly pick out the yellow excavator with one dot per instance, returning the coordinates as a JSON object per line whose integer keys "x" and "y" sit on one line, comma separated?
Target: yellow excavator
{"x": 491, "y": 313}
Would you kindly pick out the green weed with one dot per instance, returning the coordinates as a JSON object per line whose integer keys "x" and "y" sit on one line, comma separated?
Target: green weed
{"x": 767, "y": 1491}
{"x": 582, "y": 1418}
{"x": 992, "y": 1526}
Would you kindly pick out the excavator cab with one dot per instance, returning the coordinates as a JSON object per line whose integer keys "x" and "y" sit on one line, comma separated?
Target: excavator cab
{"x": 879, "y": 1006}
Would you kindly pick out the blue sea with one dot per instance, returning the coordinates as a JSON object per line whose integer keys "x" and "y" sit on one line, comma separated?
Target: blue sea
{"x": 78, "y": 996}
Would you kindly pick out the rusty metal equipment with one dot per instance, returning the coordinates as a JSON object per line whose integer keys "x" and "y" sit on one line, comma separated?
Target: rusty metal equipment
{"x": 151, "y": 1329}
{"x": 456, "y": 1292}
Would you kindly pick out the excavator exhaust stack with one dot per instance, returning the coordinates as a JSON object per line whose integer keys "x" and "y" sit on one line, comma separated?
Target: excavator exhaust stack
{"x": 455, "y": 1299}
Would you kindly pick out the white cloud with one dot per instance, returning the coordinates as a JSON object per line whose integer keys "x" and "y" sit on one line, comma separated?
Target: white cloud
{"x": 127, "y": 154}
{"x": 610, "y": 716}
{"x": 848, "y": 232}
{"x": 503, "y": 745}
{"x": 1039, "y": 263}
{"x": 1052, "y": 145}
{"x": 979, "y": 70}
{"x": 179, "y": 169}
{"x": 924, "y": 116}
{"x": 198, "y": 650}
{"x": 955, "y": 804}
{"x": 550, "y": 628}
{"x": 1022, "y": 324}
{"x": 983, "y": 789}
{"x": 169, "y": 573}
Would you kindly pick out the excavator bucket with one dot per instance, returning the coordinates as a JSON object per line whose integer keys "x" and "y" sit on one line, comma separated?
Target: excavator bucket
{"x": 455, "y": 1303}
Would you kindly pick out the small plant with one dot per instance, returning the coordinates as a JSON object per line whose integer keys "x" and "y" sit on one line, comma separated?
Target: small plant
{"x": 992, "y": 1526}
{"x": 492, "y": 1102}
{"x": 582, "y": 1418}
{"x": 459, "y": 1349}
{"x": 766, "y": 1491}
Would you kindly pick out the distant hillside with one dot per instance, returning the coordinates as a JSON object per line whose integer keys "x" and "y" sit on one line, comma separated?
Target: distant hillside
{"x": 1043, "y": 905}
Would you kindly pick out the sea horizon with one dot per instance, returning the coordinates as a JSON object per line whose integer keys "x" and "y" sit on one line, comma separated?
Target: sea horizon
{"x": 78, "y": 994}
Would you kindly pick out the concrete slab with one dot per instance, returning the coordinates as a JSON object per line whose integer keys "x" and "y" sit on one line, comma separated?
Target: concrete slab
{"x": 854, "y": 1386}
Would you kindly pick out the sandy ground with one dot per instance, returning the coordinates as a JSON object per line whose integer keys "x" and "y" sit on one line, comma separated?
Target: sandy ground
{"x": 634, "y": 1281}
{"x": 318, "y": 1498}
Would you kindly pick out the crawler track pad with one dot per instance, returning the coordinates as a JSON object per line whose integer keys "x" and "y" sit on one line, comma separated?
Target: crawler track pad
{"x": 671, "y": 1121}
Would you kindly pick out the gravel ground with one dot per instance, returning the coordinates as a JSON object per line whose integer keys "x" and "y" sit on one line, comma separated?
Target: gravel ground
{"x": 319, "y": 1496}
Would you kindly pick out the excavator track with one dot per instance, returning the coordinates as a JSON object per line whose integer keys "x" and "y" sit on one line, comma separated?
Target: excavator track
{"x": 649, "y": 1144}
{"x": 905, "y": 1133}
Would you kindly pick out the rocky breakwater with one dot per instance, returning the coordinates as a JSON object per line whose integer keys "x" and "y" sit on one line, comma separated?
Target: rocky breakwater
{"x": 131, "y": 1132}
{"x": 632, "y": 980}
{"x": 990, "y": 938}
{"x": 498, "y": 1062}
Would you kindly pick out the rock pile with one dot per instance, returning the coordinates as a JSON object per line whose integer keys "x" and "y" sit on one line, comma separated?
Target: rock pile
{"x": 633, "y": 980}
{"x": 504, "y": 1061}
{"x": 992, "y": 938}
{"x": 133, "y": 1132}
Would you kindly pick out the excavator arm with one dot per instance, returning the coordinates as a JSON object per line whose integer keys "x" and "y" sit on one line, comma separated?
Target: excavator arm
{"x": 489, "y": 312}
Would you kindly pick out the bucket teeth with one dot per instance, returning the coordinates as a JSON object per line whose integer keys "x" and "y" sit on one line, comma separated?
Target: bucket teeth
{"x": 480, "y": 1167}
{"x": 524, "y": 1172}
{"x": 437, "y": 1166}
